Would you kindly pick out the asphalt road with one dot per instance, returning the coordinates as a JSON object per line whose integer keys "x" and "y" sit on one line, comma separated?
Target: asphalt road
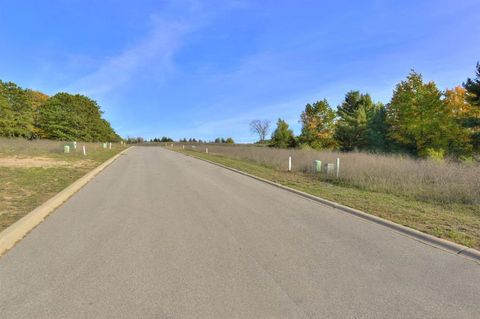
{"x": 161, "y": 235}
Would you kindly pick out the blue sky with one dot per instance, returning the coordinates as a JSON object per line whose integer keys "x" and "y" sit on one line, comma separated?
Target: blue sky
{"x": 206, "y": 68}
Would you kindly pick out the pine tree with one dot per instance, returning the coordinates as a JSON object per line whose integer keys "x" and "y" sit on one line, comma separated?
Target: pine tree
{"x": 354, "y": 114}
{"x": 473, "y": 97}
{"x": 377, "y": 128}
{"x": 283, "y": 136}
{"x": 473, "y": 88}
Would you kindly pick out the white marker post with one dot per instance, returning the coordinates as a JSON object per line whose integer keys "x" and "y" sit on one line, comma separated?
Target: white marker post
{"x": 110, "y": 145}
{"x": 289, "y": 163}
{"x": 338, "y": 167}
{"x": 183, "y": 147}
{"x": 206, "y": 150}
{"x": 84, "y": 151}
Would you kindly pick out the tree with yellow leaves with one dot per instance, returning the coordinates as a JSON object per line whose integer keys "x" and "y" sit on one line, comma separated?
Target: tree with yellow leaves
{"x": 318, "y": 123}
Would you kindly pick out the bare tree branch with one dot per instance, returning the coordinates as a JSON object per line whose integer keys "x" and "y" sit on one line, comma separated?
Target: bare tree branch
{"x": 261, "y": 128}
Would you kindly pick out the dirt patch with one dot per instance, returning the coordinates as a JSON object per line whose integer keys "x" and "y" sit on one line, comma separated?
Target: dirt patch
{"x": 26, "y": 162}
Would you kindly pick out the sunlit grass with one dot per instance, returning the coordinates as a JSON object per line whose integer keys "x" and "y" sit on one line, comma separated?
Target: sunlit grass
{"x": 24, "y": 188}
{"x": 426, "y": 180}
{"x": 455, "y": 220}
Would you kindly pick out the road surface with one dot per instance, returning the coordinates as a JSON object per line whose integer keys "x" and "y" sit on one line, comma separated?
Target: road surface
{"x": 161, "y": 235}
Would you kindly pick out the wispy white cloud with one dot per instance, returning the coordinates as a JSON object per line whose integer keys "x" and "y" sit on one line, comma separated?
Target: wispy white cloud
{"x": 157, "y": 49}
{"x": 155, "y": 52}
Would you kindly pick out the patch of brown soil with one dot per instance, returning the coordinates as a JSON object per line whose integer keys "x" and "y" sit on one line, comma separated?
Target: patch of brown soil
{"x": 31, "y": 162}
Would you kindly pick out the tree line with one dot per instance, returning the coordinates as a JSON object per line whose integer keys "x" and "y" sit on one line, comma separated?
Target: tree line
{"x": 34, "y": 115}
{"x": 218, "y": 140}
{"x": 419, "y": 119}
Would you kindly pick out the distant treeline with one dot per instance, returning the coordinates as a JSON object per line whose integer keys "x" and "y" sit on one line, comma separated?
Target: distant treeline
{"x": 420, "y": 120}
{"x": 164, "y": 139}
{"x": 31, "y": 114}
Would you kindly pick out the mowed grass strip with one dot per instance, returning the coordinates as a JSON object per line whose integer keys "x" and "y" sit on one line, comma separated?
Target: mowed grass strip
{"x": 22, "y": 189}
{"x": 456, "y": 222}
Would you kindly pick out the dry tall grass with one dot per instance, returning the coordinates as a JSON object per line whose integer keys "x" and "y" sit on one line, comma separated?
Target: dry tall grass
{"x": 20, "y": 146}
{"x": 441, "y": 182}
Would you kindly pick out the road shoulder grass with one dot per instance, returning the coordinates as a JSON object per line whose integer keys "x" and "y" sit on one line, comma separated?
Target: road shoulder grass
{"x": 455, "y": 222}
{"x": 23, "y": 188}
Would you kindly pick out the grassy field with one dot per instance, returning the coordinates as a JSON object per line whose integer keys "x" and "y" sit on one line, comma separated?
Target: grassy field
{"x": 31, "y": 172}
{"x": 452, "y": 219}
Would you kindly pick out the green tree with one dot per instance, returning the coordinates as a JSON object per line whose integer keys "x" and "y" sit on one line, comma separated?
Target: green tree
{"x": 16, "y": 118}
{"x": 417, "y": 117}
{"x": 473, "y": 88}
{"x": 165, "y": 139}
{"x": 354, "y": 114}
{"x": 36, "y": 99}
{"x": 229, "y": 141}
{"x": 377, "y": 129}
{"x": 473, "y": 97}
{"x": 73, "y": 117}
{"x": 460, "y": 111}
{"x": 283, "y": 137}
{"x": 318, "y": 122}
{"x": 6, "y": 117}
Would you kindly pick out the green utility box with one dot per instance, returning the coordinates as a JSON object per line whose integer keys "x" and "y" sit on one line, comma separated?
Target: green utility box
{"x": 317, "y": 166}
{"x": 66, "y": 149}
{"x": 329, "y": 168}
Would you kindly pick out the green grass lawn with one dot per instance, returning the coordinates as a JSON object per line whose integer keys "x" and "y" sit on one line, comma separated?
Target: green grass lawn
{"x": 456, "y": 222}
{"x": 24, "y": 188}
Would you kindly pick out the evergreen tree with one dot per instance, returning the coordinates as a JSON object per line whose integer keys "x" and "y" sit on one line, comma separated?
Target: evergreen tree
{"x": 377, "y": 128}
{"x": 318, "y": 122}
{"x": 283, "y": 136}
{"x": 354, "y": 114}
{"x": 473, "y": 97}
{"x": 473, "y": 88}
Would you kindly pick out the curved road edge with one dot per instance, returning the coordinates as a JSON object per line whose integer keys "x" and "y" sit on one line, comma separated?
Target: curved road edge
{"x": 427, "y": 239}
{"x": 18, "y": 230}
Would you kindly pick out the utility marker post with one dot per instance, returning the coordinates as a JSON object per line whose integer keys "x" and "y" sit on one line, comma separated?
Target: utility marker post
{"x": 84, "y": 151}
{"x": 289, "y": 163}
{"x": 75, "y": 145}
{"x": 317, "y": 166}
{"x": 183, "y": 147}
{"x": 110, "y": 145}
{"x": 206, "y": 150}
{"x": 337, "y": 167}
